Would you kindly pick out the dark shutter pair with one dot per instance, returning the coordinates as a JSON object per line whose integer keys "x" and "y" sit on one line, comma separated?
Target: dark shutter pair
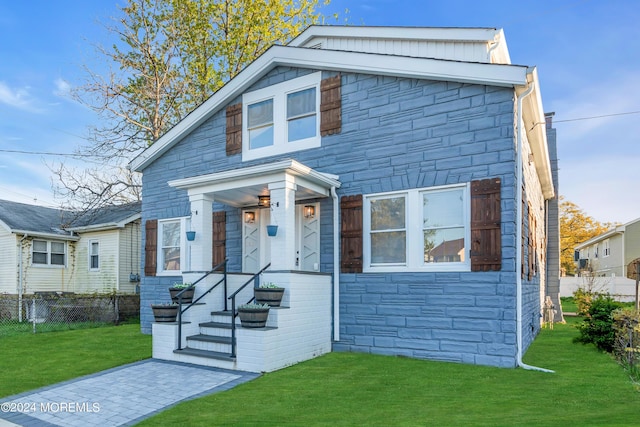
{"x": 151, "y": 246}
{"x": 486, "y": 244}
{"x": 330, "y": 115}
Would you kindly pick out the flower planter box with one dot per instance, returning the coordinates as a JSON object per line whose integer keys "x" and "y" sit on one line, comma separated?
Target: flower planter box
{"x": 253, "y": 318}
{"x": 165, "y": 313}
{"x": 271, "y": 296}
{"x": 187, "y": 296}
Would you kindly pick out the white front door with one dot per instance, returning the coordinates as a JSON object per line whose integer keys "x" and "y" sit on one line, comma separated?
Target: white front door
{"x": 256, "y": 248}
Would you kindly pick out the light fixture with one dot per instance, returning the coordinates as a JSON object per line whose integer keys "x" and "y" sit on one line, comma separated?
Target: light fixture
{"x": 264, "y": 201}
{"x": 309, "y": 211}
{"x": 249, "y": 217}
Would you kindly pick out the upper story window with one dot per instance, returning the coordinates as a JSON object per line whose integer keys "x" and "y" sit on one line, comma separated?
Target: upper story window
{"x": 171, "y": 245}
{"x": 49, "y": 253}
{"x": 417, "y": 230}
{"x": 282, "y": 118}
{"x": 606, "y": 248}
{"x": 94, "y": 255}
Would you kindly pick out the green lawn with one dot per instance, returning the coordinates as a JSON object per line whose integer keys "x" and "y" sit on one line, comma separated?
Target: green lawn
{"x": 588, "y": 389}
{"x": 30, "y": 361}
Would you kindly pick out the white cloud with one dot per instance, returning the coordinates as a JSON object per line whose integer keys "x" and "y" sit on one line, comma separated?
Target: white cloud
{"x": 19, "y": 98}
{"x": 62, "y": 88}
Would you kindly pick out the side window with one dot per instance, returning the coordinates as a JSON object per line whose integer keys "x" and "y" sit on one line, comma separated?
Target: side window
{"x": 40, "y": 254}
{"x": 49, "y": 253}
{"x": 260, "y": 124}
{"x": 94, "y": 255}
{"x": 170, "y": 245}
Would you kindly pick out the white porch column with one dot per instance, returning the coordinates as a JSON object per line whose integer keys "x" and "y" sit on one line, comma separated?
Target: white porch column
{"x": 283, "y": 214}
{"x": 201, "y": 223}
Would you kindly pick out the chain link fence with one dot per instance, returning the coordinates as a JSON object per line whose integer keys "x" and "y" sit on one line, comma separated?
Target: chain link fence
{"x": 56, "y": 311}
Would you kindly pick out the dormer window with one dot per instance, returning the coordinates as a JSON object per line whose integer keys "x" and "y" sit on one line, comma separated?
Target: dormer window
{"x": 282, "y": 118}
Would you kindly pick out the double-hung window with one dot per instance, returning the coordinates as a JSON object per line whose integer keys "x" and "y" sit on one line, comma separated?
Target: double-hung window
{"x": 49, "y": 253}
{"x": 282, "y": 118}
{"x": 424, "y": 229}
{"x": 172, "y": 245}
{"x": 94, "y": 255}
{"x": 606, "y": 251}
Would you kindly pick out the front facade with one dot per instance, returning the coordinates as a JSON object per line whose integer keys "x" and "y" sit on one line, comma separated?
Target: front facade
{"x": 414, "y": 187}
{"x": 40, "y": 252}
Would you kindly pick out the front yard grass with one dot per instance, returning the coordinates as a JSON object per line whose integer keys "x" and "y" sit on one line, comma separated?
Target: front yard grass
{"x": 588, "y": 389}
{"x": 30, "y": 361}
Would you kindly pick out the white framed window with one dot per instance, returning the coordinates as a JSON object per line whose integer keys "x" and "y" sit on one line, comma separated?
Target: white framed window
{"x": 94, "y": 255}
{"x": 281, "y": 118}
{"x": 426, "y": 229}
{"x": 49, "y": 253}
{"x": 606, "y": 248}
{"x": 172, "y": 243}
{"x": 595, "y": 251}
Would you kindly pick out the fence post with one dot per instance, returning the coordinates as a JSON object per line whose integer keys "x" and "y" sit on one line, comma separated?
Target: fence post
{"x": 33, "y": 314}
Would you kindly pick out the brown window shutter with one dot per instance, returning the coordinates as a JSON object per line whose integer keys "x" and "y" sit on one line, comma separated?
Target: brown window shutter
{"x": 351, "y": 234}
{"x": 330, "y": 106}
{"x": 219, "y": 248}
{"x": 151, "y": 247}
{"x": 486, "y": 244}
{"x": 234, "y": 129}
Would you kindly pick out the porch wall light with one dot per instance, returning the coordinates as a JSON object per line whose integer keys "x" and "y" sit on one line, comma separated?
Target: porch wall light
{"x": 309, "y": 211}
{"x": 264, "y": 201}
{"x": 249, "y": 217}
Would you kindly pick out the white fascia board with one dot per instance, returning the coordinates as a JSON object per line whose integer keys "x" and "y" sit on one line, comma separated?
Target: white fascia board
{"x": 395, "y": 33}
{"x": 366, "y": 63}
{"x": 106, "y": 226}
{"x": 616, "y": 230}
{"x": 253, "y": 174}
{"x": 49, "y": 236}
{"x": 535, "y": 127}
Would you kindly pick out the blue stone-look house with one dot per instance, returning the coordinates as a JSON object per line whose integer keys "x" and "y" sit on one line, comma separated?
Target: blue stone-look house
{"x": 408, "y": 172}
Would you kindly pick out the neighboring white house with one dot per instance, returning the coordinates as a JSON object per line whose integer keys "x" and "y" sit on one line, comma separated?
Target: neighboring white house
{"x": 609, "y": 257}
{"x": 44, "y": 249}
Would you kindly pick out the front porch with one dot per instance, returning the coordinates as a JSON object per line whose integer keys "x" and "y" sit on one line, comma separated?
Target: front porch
{"x": 298, "y": 330}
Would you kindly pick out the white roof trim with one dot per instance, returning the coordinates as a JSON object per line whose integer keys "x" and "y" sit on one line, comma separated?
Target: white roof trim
{"x": 396, "y": 33}
{"x": 419, "y": 68}
{"x": 49, "y": 236}
{"x": 107, "y": 225}
{"x": 239, "y": 177}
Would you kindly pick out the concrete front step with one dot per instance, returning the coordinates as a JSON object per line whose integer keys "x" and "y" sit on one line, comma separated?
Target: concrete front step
{"x": 205, "y": 354}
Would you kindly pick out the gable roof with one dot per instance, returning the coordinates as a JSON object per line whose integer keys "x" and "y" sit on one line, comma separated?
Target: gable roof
{"x": 50, "y": 222}
{"x": 618, "y": 229}
{"x": 396, "y": 65}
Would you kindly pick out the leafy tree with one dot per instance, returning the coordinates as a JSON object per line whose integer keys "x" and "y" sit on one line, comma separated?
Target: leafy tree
{"x": 170, "y": 56}
{"x": 575, "y": 227}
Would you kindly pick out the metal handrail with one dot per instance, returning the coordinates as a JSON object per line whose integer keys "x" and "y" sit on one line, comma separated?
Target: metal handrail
{"x": 179, "y": 295}
{"x": 255, "y": 278}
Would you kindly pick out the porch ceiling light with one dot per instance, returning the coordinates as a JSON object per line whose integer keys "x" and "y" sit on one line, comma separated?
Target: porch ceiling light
{"x": 309, "y": 211}
{"x": 249, "y": 217}
{"x": 264, "y": 201}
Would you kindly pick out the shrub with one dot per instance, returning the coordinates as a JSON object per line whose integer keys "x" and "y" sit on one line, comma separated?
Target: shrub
{"x": 627, "y": 339}
{"x": 597, "y": 327}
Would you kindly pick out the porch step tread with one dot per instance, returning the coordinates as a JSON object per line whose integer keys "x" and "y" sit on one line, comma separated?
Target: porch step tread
{"x": 221, "y": 313}
{"x": 205, "y": 353}
{"x": 216, "y": 325}
{"x": 210, "y": 338}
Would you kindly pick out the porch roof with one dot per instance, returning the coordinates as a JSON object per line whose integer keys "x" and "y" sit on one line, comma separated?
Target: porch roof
{"x": 241, "y": 187}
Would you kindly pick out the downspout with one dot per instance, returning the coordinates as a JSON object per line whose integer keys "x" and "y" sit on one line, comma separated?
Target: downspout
{"x": 336, "y": 267}
{"x": 20, "y": 279}
{"x": 519, "y": 214}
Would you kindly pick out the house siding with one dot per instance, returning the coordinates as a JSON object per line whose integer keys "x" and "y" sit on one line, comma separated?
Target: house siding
{"x": 397, "y": 134}
{"x": 631, "y": 244}
{"x": 8, "y": 262}
{"x": 40, "y": 278}
{"x": 105, "y": 278}
{"x": 129, "y": 256}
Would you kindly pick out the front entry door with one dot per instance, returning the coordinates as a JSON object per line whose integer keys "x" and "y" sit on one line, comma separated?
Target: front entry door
{"x": 256, "y": 248}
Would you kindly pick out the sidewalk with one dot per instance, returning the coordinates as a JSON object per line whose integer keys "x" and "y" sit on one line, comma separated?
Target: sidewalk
{"x": 120, "y": 396}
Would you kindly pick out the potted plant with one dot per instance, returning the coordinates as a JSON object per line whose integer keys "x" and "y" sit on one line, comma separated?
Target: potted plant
{"x": 253, "y": 315}
{"x": 187, "y": 296}
{"x": 268, "y": 293}
{"x": 164, "y": 313}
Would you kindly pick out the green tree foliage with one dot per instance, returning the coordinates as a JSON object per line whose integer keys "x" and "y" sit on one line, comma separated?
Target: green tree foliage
{"x": 169, "y": 57}
{"x": 575, "y": 227}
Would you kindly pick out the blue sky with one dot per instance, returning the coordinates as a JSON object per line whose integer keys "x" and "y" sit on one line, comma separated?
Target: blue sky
{"x": 587, "y": 53}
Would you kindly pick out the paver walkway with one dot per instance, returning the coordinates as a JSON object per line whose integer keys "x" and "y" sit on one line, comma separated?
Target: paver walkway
{"x": 120, "y": 396}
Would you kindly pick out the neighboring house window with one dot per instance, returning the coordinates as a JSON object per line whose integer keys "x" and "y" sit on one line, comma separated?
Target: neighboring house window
{"x": 606, "y": 249}
{"x": 94, "y": 255}
{"x": 49, "y": 253}
{"x": 415, "y": 230}
{"x": 171, "y": 245}
{"x": 595, "y": 251}
{"x": 282, "y": 118}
